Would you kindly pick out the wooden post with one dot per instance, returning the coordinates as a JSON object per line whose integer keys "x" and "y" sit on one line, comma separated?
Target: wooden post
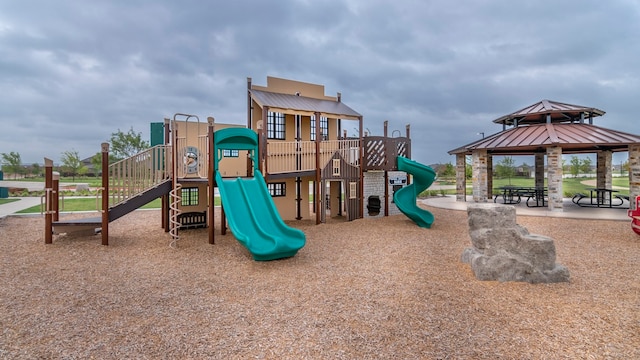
{"x": 165, "y": 198}
{"x": 318, "y": 199}
{"x": 55, "y": 195}
{"x": 48, "y": 216}
{"x": 386, "y": 172}
{"x": 212, "y": 197}
{"x": 223, "y": 221}
{"x": 249, "y": 107}
{"x": 105, "y": 194}
{"x": 409, "y": 150}
{"x": 262, "y": 144}
{"x": 361, "y": 182}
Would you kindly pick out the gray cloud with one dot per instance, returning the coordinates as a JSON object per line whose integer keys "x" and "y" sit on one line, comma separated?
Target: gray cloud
{"x": 74, "y": 72}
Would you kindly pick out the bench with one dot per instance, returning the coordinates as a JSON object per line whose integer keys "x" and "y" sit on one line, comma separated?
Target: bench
{"x": 509, "y": 194}
{"x": 622, "y": 198}
{"x": 577, "y": 197}
{"x": 536, "y": 196}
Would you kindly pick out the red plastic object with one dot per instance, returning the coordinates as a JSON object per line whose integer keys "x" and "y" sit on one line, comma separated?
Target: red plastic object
{"x": 635, "y": 216}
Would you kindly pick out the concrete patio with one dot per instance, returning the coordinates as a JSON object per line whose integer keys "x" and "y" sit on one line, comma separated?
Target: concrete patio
{"x": 570, "y": 210}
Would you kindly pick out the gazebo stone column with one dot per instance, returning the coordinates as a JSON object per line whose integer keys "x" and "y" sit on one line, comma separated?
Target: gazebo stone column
{"x": 539, "y": 170}
{"x": 604, "y": 161}
{"x": 480, "y": 176}
{"x": 489, "y": 176}
{"x": 461, "y": 177}
{"x": 634, "y": 173}
{"x": 554, "y": 178}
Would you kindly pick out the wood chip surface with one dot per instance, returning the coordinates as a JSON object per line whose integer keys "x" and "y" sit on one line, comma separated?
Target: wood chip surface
{"x": 369, "y": 289}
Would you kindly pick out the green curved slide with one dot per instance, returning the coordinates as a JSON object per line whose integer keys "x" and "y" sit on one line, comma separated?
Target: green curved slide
{"x": 405, "y": 198}
{"x": 254, "y": 219}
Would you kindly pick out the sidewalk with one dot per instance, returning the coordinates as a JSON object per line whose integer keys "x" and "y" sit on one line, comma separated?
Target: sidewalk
{"x": 33, "y": 185}
{"x": 445, "y": 202}
{"x": 21, "y": 204}
{"x": 570, "y": 210}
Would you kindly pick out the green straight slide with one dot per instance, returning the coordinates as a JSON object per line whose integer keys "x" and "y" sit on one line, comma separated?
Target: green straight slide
{"x": 254, "y": 219}
{"x": 405, "y": 198}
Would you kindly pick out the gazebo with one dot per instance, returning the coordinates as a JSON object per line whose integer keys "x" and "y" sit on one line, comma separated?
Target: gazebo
{"x": 548, "y": 128}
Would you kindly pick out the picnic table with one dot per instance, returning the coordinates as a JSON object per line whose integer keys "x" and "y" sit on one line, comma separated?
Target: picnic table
{"x": 514, "y": 194}
{"x": 598, "y": 197}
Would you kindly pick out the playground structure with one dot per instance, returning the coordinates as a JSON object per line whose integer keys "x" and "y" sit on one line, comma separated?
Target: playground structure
{"x": 634, "y": 214}
{"x": 254, "y": 173}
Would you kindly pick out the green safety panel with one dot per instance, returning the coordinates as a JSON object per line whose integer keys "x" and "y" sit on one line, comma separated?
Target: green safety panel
{"x": 157, "y": 134}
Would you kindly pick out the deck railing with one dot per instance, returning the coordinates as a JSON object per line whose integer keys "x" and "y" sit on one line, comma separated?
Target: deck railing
{"x": 294, "y": 156}
{"x": 136, "y": 174}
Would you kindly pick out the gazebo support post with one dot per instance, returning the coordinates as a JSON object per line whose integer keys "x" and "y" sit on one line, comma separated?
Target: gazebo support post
{"x": 461, "y": 177}
{"x": 634, "y": 173}
{"x": 489, "y": 177}
{"x": 604, "y": 161}
{"x": 480, "y": 175}
{"x": 539, "y": 170}
{"x": 554, "y": 178}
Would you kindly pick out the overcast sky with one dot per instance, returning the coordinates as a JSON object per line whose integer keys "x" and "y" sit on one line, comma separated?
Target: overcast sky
{"x": 73, "y": 72}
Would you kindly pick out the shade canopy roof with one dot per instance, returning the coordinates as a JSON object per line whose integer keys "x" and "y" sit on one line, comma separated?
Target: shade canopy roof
{"x": 550, "y": 124}
{"x": 301, "y": 105}
{"x": 572, "y": 138}
{"x": 549, "y": 111}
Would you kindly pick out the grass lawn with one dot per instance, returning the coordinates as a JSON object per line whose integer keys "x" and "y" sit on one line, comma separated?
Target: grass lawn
{"x": 570, "y": 186}
{"x": 89, "y": 204}
{"x": 92, "y": 181}
{"x": 6, "y": 201}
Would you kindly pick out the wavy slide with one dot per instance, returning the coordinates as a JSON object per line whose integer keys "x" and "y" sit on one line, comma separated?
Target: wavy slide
{"x": 405, "y": 198}
{"x": 254, "y": 219}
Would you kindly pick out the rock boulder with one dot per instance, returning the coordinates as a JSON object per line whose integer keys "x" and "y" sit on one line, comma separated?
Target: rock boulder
{"x": 505, "y": 251}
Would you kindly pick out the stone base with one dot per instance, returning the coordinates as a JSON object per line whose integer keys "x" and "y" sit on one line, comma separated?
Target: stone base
{"x": 505, "y": 251}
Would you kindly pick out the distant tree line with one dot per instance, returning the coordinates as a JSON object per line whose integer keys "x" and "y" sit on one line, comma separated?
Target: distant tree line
{"x": 506, "y": 168}
{"x": 122, "y": 146}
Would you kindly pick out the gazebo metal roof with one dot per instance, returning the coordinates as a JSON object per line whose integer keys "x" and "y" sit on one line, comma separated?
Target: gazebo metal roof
{"x": 549, "y": 111}
{"x": 551, "y": 123}
{"x": 573, "y": 138}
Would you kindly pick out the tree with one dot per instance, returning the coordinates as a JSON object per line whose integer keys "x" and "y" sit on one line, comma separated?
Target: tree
{"x": 468, "y": 168}
{"x": 12, "y": 163}
{"x": 448, "y": 171}
{"x": 575, "y": 166}
{"x": 624, "y": 167}
{"x": 96, "y": 161}
{"x": 505, "y": 168}
{"x": 36, "y": 170}
{"x": 71, "y": 163}
{"x": 585, "y": 166}
{"x": 124, "y": 145}
{"x": 578, "y": 166}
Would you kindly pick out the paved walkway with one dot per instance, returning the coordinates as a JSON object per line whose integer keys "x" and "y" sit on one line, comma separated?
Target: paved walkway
{"x": 446, "y": 202}
{"x": 570, "y": 210}
{"x": 21, "y": 204}
{"x": 34, "y": 185}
